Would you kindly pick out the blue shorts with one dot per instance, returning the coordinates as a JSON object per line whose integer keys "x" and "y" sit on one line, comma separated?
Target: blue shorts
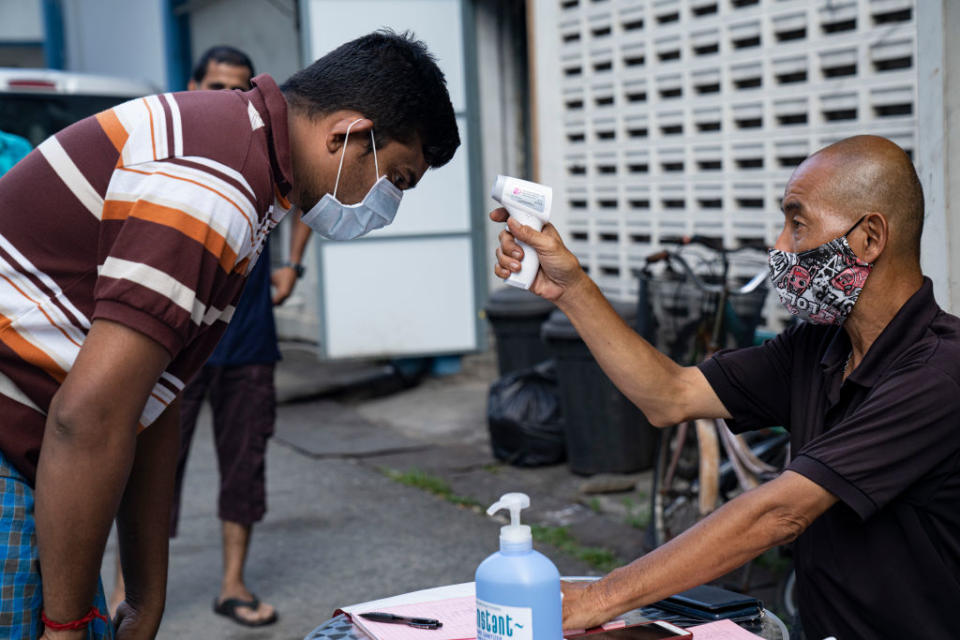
{"x": 21, "y": 595}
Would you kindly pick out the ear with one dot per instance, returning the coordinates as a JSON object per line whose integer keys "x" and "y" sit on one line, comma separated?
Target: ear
{"x": 341, "y": 123}
{"x": 875, "y": 236}
{"x": 192, "y": 85}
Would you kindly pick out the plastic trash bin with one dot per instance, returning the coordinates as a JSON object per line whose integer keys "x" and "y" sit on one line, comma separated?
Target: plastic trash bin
{"x": 516, "y": 316}
{"x": 605, "y": 432}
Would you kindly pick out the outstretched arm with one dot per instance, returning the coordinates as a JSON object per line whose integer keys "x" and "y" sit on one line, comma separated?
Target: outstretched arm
{"x": 666, "y": 392}
{"x": 772, "y": 514}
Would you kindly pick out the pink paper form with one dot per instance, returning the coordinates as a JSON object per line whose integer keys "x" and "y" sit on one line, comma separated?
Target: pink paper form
{"x": 722, "y": 630}
{"x": 458, "y": 615}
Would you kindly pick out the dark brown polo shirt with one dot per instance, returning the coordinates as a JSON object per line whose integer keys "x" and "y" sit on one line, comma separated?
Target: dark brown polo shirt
{"x": 884, "y": 562}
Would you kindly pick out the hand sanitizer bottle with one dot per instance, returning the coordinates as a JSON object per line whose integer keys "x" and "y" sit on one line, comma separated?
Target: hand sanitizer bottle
{"x": 518, "y": 589}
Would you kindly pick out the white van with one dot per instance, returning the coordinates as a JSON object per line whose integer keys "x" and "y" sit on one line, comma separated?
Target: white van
{"x": 35, "y": 103}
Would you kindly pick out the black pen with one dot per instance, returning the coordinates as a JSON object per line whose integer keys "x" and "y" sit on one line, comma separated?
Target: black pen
{"x": 419, "y": 623}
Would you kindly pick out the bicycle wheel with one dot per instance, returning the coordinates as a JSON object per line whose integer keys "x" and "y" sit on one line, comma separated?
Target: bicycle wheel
{"x": 788, "y": 595}
{"x": 676, "y": 501}
{"x": 687, "y": 488}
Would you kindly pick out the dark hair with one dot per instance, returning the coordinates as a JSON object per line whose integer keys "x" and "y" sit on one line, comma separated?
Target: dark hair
{"x": 221, "y": 53}
{"x": 390, "y": 78}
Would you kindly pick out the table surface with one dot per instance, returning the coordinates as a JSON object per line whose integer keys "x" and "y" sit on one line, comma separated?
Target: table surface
{"x": 340, "y": 627}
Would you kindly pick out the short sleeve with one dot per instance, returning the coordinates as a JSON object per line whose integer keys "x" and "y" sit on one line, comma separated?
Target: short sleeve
{"x": 904, "y": 429}
{"x": 174, "y": 242}
{"x": 754, "y": 383}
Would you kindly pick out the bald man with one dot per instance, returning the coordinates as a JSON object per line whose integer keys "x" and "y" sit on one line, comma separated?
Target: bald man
{"x": 868, "y": 386}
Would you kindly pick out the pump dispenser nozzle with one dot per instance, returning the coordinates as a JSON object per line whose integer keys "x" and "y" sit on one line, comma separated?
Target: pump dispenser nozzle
{"x": 514, "y": 536}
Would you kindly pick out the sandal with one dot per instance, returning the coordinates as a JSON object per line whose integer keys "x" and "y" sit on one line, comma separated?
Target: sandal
{"x": 228, "y": 608}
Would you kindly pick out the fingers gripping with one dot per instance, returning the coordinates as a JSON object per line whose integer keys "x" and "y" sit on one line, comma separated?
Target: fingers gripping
{"x": 505, "y": 265}
{"x": 544, "y": 241}
{"x": 509, "y": 246}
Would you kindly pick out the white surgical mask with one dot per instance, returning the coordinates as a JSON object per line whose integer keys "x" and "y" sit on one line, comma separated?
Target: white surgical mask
{"x": 337, "y": 221}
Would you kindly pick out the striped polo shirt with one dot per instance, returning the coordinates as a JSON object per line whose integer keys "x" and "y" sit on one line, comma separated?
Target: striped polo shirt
{"x": 149, "y": 214}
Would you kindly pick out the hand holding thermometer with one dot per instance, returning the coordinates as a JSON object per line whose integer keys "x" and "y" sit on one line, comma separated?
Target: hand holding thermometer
{"x": 528, "y": 203}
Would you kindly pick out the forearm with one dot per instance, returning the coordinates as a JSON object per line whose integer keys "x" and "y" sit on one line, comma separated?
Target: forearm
{"x": 79, "y": 483}
{"x": 651, "y": 380}
{"x": 143, "y": 521}
{"x": 87, "y": 451}
{"x": 666, "y": 392}
{"x": 732, "y": 536}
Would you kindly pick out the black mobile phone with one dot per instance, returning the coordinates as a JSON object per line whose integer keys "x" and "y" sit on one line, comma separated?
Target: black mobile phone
{"x": 654, "y": 630}
{"x": 708, "y": 602}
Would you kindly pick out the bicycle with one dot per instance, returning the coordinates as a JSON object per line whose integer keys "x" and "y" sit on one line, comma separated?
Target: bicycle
{"x": 701, "y": 464}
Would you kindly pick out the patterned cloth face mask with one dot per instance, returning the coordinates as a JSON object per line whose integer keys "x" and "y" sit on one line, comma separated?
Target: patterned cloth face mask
{"x": 820, "y": 285}
{"x": 337, "y": 221}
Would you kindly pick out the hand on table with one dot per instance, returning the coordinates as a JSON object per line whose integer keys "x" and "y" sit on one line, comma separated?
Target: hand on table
{"x": 559, "y": 269}
{"x": 582, "y": 605}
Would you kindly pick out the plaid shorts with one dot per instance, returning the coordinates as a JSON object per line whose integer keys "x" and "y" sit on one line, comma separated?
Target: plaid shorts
{"x": 21, "y": 595}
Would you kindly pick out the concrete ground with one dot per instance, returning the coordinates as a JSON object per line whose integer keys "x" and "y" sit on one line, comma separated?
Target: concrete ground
{"x": 375, "y": 489}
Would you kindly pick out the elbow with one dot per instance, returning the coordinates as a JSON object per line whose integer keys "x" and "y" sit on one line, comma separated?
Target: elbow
{"x": 63, "y": 420}
{"x": 666, "y": 416}
{"x": 83, "y": 423}
{"x": 661, "y": 419}
{"x": 787, "y": 526}
{"x": 673, "y": 408}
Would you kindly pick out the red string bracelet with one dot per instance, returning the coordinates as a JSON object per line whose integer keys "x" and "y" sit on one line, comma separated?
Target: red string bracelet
{"x": 76, "y": 624}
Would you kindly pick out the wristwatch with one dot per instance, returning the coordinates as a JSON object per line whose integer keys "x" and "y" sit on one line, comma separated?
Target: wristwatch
{"x": 297, "y": 268}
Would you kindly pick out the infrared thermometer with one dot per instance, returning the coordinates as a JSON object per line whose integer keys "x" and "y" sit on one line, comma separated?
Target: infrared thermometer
{"x": 528, "y": 203}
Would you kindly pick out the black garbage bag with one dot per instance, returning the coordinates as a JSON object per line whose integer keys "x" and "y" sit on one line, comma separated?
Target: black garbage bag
{"x": 524, "y": 417}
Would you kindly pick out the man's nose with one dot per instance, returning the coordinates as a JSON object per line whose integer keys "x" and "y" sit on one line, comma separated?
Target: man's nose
{"x": 782, "y": 240}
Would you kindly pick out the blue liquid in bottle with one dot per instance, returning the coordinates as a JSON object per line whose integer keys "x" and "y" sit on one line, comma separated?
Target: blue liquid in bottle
{"x": 518, "y": 588}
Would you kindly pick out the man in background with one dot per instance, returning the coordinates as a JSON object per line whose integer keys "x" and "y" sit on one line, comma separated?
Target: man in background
{"x": 238, "y": 380}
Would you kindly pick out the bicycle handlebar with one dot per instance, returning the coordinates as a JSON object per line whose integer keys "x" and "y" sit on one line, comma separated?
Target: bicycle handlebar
{"x": 703, "y": 286}
{"x": 713, "y": 243}
{"x": 659, "y": 256}
{"x": 752, "y": 285}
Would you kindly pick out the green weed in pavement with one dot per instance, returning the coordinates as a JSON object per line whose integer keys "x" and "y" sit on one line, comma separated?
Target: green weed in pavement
{"x": 639, "y": 520}
{"x": 638, "y": 515}
{"x": 424, "y": 481}
{"x": 597, "y": 557}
